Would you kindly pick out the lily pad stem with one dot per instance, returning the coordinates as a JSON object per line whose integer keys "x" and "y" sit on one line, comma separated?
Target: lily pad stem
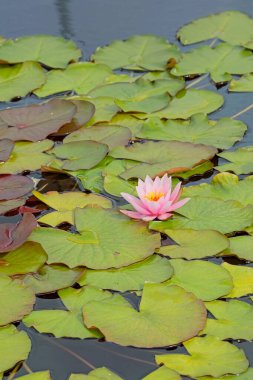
{"x": 242, "y": 111}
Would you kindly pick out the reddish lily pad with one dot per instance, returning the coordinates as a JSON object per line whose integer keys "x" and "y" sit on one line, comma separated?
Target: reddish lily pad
{"x": 6, "y": 147}
{"x": 14, "y": 186}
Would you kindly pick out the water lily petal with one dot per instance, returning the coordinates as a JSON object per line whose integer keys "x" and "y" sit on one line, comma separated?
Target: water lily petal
{"x": 136, "y": 203}
{"x": 164, "y": 216}
{"x": 179, "y": 204}
{"x": 176, "y": 193}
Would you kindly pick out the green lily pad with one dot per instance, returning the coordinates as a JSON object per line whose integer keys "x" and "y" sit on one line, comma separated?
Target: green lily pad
{"x": 116, "y": 242}
{"x": 97, "y": 374}
{"x": 127, "y": 120}
{"x": 161, "y": 157}
{"x": 14, "y": 347}
{"x": 79, "y": 77}
{"x": 208, "y": 356}
{"x": 44, "y": 375}
{"x": 111, "y": 135}
{"x": 196, "y": 171}
{"x": 20, "y": 159}
{"x": 220, "y": 61}
{"x": 105, "y": 109}
{"x": 144, "y": 52}
{"x": 67, "y": 323}
{"x": 52, "y": 51}
{"x": 66, "y": 203}
{"x": 222, "y": 25}
{"x": 225, "y": 186}
{"x": 242, "y": 279}
{"x": 80, "y": 154}
{"x": 202, "y": 213}
{"x": 163, "y": 373}
{"x": 17, "y": 299}
{"x": 247, "y": 375}
{"x": 222, "y": 133}
{"x": 51, "y": 278}
{"x": 194, "y": 244}
{"x": 240, "y": 246}
{"x": 241, "y": 161}
{"x": 26, "y": 259}
{"x": 187, "y": 103}
{"x": 243, "y": 84}
{"x": 132, "y": 277}
{"x": 115, "y": 185}
{"x": 208, "y": 281}
{"x": 233, "y": 319}
{"x": 169, "y": 314}
{"x": 19, "y": 80}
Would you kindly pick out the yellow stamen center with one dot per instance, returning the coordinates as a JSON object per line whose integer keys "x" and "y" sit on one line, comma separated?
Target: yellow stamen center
{"x": 154, "y": 196}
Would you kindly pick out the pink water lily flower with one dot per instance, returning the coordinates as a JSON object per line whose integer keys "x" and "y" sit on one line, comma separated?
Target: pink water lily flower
{"x": 156, "y": 199}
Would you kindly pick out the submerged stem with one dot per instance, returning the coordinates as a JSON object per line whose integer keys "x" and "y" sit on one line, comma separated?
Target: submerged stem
{"x": 14, "y": 371}
{"x": 27, "y": 368}
{"x": 197, "y": 80}
{"x": 242, "y": 111}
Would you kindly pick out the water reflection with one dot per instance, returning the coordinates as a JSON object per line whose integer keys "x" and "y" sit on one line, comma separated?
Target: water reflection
{"x": 65, "y": 22}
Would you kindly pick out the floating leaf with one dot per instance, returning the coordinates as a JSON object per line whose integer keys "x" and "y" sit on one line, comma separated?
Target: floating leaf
{"x": 242, "y": 279}
{"x": 220, "y": 61}
{"x": 80, "y": 154}
{"x": 208, "y": 356}
{"x": 221, "y": 25}
{"x": 17, "y": 299}
{"x": 6, "y": 147}
{"x": 63, "y": 323}
{"x": 222, "y": 133}
{"x": 115, "y": 185}
{"x": 247, "y": 375}
{"x": 65, "y": 204}
{"x": 14, "y": 347}
{"x": 51, "y": 278}
{"x": 240, "y": 246}
{"x": 169, "y": 314}
{"x": 97, "y": 374}
{"x": 163, "y": 373}
{"x": 208, "y": 281}
{"x": 244, "y": 84}
{"x": 187, "y": 103}
{"x": 161, "y": 157}
{"x": 10, "y": 205}
{"x": 132, "y": 277}
{"x": 233, "y": 319}
{"x": 52, "y": 51}
{"x": 105, "y": 109}
{"x": 225, "y": 186}
{"x": 35, "y": 122}
{"x": 241, "y": 161}
{"x": 196, "y": 171}
{"x": 192, "y": 244}
{"x": 116, "y": 242}
{"x": 45, "y": 375}
{"x": 20, "y": 159}
{"x": 127, "y": 120}
{"x": 14, "y": 186}
{"x": 111, "y": 135}
{"x": 78, "y": 77}
{"x": 144, "y": 52}
{"x": 27, "y": 258}
{"x": 19, "y": 80}
{"x": 202, "y": 213}
{"x": 13, "y": 235}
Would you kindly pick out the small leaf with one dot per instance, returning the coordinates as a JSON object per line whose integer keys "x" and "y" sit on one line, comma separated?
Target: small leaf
{"x": 242, "y": 279}
{"x": 163, "y": 373}
{"x": 241, "y": 161}
{"x": 243, "y": 84}
{"x": 97, "y": 374}
{"x": 240, "y": 246}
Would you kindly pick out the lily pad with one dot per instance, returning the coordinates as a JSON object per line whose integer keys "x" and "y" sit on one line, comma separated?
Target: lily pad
{"x": 202, "y": 213}
{"x": 80, "y": 154}
{"x": 222, "y": 25}
{"x": 79, "y": 77}
{"x": 52, "y": 51}
{"x": 143, "y": 52}
{"x": 220, "y": 61}
{"x": 208, "y": 281}
{"x": 17, "y": 299}
{"x": 111, "y": 135}
{"x": 14, "y": 186}
{"x": 44, "y": 375}
{"x": 105, "y": 109}
{"x": 13, "y": 235}
{"x": 225, "y": 186}
{"x": 97, "y": 374}
{"x": 11, "y": 204}
{"x": 115, "y": 185}
{"x": 116, "y": 242}
{"x": 51, "y": 278}
{"x": 242, "y": 279}
{"x": 233, "y": 319}
{"x": 187, "y": 103}
{"x": 19, "y": 80}
{"x": 163, "y": 373}
{"x": 208, "y": 356}
{"x": 222, "y": 133}
{"x": 6, "y": 147}
{"x": 27, "y": 258}
{"x": 194, "y": 244}
{"x": 65, "y": 204}
{"x": 168, "y": 313}
{"x": 14, "y": 346}
{"x": 243, "y": 84}
{"x": 247, "y": 375}
{"x": 63, "y": 323}
{"x": 132, "y": 277}
{"x": 241, "y": 161}
{"x": 35, "y": 122}
{"x": 20, "y": 159}
{"x": 240, "y": 246}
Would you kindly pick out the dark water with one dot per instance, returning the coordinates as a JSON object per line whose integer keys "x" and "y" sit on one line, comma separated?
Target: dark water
{"x": 91, "y": 23}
